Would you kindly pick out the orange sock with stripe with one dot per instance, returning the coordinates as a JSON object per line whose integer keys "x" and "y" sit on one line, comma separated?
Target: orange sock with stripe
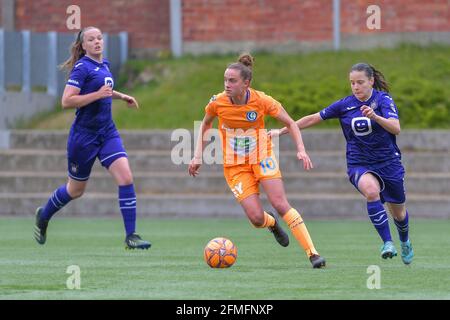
{"x": 269, "y": 221}
{"x": 298, "y": 228}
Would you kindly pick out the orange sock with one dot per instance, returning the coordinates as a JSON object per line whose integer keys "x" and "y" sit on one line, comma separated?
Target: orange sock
{"x": 298, "y": 229}
{"x": 269, "y": 221}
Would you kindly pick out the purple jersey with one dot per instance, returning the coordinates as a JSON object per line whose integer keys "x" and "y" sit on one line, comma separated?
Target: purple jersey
{"x": 89, "y": 76}
{"x": 367, "y": 142}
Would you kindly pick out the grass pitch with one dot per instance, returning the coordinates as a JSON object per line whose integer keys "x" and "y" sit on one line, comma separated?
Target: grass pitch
{"x": 174, "y": 268}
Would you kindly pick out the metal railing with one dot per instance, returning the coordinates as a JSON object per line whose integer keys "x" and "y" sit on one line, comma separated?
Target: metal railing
{"x": 29, "y": 61}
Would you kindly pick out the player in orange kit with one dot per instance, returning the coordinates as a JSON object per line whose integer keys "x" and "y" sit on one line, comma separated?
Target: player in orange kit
{"x": 248, "y": 156}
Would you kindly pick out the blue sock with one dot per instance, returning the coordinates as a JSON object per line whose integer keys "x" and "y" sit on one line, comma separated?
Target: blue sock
{"x": 127, "y": 203}
{"x": 379, "y": 218}
{"x": 58, "y": 200}
{"x": 403, "y": 228}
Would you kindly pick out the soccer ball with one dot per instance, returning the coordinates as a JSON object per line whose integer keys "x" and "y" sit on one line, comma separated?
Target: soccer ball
{"x": 220, "y": 253}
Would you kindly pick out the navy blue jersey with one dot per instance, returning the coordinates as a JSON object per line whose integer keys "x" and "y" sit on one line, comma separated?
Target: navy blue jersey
{"x": 89, "y": 76}
{"x": 368, "y": 143}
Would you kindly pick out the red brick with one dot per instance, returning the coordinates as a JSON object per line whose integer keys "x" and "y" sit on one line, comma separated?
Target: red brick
{"x": 148, "y": 21}
{"x": 397, "y": 15}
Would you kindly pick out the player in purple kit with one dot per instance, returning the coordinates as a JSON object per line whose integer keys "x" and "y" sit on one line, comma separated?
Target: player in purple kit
{"x": 369, "y": 121}
{"x": 93, "y": 135}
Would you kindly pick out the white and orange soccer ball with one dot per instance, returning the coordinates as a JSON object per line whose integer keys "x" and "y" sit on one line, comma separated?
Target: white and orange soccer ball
{"x": 220, "y": 253}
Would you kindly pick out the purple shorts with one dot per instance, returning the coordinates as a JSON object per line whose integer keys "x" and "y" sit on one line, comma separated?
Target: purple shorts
{"x": 391, "y": 179}
{"x": 84, "y": 146}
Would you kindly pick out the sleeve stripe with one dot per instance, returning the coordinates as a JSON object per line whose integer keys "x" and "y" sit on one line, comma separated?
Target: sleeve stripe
{"x": 72, "y": 85}
{"x": 320, "y": 114}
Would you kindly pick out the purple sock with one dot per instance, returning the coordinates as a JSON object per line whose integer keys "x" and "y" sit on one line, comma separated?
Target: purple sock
{"x": 127, "y": 203}
{"x": 58, "y": 200}
{"x": 379, "y": 218}
{"x": 403, "y": 228}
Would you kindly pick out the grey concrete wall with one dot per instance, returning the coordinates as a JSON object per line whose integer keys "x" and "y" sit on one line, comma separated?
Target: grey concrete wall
{"x": 35, "y": 163}
{"x": 314, "y": 139}
{"x": 224, "y": 47}
{"x": 351, "y": 42}
{"x": 7, "y": 18}
{"x": 16, "y": 106}
{"x": 391, "y": 39}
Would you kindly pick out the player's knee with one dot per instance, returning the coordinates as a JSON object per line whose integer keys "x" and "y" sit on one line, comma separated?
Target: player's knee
{"x": 129, "y": 179}
{"x": 257, "y": 220}
{"x": 372, "y": 194}
{"x": 281, "y": 205}
{"x": 126, "y": 178}
{"x": 75, "y": 189}
{"x": 76, "y": 193}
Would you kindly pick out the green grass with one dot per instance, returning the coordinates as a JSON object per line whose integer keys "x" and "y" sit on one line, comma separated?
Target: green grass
{"x": 174, "y": 268}
{"x": 178, "y": 89}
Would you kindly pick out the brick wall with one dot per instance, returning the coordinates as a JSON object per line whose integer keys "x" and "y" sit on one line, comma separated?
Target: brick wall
{"x": 257, "y": 20}
{"x": 307, "y": 20}
{"x": 147, "y": 21}
{"x": 234, "y": 21}
{"x": 397, "y": 16}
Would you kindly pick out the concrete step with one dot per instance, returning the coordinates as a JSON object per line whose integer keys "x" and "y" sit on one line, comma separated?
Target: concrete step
{"x": 162, "y": 160}
{"x": 431, "y": 140}
{"x": 212, "y": 182}
{"x": 312, "y": 206}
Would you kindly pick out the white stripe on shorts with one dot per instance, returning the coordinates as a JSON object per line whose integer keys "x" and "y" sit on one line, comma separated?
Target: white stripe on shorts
{"x": 113, "y": 155}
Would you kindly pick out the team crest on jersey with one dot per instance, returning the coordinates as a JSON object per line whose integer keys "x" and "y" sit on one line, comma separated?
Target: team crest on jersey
{"x": 373, "y": 105}
{"x": 251, "y": 116}
{"x": 73, "y": 168}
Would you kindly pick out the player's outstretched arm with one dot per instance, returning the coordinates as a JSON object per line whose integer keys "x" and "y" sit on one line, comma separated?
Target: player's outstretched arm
{"x": 303, "y": 123}
{"x": 293, "y": 129}
{"x": 131, "y": 101}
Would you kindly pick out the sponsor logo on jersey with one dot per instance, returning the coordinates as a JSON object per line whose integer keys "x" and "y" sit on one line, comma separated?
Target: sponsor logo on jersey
{"x": 361, "y": 126}
{"x": 393, "y": 108}
{"x": 96, "y": 69}
{"x": 73, "y": 81}
{"x": 78, "y": 64}
{"x": 213, "y": 98}
{"x": 251, "y": 116}
{"x": 243, "y": 145}
{"x": 351, "y": 108}
{"x": 109, "y": 82}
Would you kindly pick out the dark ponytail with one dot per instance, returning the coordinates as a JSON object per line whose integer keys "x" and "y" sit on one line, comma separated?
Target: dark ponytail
{"x": 379, "y": 82}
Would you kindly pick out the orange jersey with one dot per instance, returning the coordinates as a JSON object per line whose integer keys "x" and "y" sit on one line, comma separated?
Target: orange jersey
{"x": 244, "y": 139}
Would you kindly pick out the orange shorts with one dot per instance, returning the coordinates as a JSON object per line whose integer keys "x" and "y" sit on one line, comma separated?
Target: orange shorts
{"x": 243, "y": 180}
